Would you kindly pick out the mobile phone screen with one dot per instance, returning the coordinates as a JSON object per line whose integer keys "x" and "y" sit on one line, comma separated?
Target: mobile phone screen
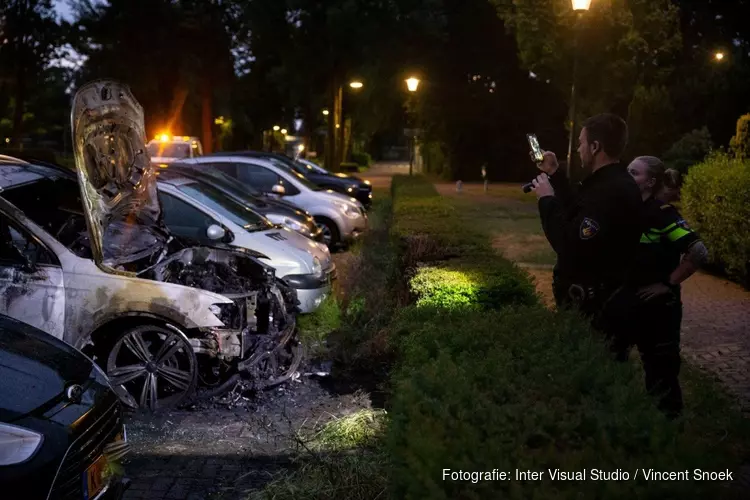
{"x": 534, "y": 143}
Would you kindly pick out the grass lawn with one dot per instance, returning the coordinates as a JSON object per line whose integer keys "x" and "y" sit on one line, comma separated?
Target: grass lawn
{"x": 509, "y": 216}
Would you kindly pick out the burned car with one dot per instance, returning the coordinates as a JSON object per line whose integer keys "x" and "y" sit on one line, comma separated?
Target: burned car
{"x": 92, "y": 263}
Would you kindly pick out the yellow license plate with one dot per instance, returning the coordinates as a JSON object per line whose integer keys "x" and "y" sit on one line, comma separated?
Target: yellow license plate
{"x": 93, "y": 478}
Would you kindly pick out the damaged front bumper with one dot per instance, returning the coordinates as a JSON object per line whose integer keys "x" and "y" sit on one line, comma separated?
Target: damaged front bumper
{"x": 258, "y": 339}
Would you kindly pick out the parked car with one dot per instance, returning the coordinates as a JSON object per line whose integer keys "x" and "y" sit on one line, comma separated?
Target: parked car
{"x": 341, "y": 218}
{"x": 165, "y": 149}
{"x": 92, "y": 263}
{"x": 197, "y": 210}
{"x": 346, "y": 184}
{"x": 61, "y": 424}
{"x": 277, "y": 211}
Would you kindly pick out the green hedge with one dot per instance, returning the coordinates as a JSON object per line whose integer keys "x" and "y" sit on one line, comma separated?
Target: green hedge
{"x": 486, "y": 378}
{"x": 716, "y": 201}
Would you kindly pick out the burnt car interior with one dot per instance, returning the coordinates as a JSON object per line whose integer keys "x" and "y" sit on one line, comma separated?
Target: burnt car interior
{"x": 55, "y": 205}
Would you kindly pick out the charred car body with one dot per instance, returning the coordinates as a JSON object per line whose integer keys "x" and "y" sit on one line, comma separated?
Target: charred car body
{"x": 101, "y": 271}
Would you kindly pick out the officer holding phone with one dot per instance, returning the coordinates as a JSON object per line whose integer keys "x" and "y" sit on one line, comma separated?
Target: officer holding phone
{"x": 595, "y": 232}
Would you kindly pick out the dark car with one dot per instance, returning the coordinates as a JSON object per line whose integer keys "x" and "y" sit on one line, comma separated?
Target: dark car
{"x": 61, "y": 425}
{"x": 341, "y": 183}
{"x": 277, "y": 211}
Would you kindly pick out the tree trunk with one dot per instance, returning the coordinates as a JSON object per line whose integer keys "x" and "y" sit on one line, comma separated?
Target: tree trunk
{"x": 18, "y": 109}
{"x": 206, "y": 116}
{"x": 330, "y": 148}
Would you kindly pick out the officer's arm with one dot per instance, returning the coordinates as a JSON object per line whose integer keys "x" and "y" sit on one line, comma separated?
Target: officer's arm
{"x": 678, "y": 234}
{"x": 581, "y": 236}
{"x": 562, "y": 187}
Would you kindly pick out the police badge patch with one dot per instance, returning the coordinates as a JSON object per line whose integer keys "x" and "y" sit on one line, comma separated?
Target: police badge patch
{"x": 589, "y": 228}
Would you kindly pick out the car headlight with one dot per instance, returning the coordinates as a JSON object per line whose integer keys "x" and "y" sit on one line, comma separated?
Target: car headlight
{"x": 317, "y": 268}
{"x": 348, "y": 210}
{"x": 17, "y": 444}
{"x": 368, "y": 183}
{"x": 227, "y": 313}
{"x": 294, "y": 225}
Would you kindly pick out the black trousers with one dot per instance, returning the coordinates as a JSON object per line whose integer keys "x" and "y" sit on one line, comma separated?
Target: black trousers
{"x": 654, "y": 328}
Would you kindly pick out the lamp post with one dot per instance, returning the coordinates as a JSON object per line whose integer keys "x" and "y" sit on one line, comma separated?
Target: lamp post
{"x": 335, "y": 154}
{"x": 579, "y": 6}
{"x": 412, "y": 84}
{"x": 719, "y": 56}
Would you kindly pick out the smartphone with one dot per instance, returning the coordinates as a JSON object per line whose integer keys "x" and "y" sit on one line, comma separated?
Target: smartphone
{"x": 535, "y": 149}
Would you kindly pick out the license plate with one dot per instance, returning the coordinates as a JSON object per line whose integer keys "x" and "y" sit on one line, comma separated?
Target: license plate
{"x": 93, "y": 478}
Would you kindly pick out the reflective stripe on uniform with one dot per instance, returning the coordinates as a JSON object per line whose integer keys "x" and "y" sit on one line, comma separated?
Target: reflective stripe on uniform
{"x": 673, "y": 232}
{"x": 677, "y": 233}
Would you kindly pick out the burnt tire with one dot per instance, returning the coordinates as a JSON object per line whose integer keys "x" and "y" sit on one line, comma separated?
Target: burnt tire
{"x": 331, "y": 233}
{"x": 152, "y": 367}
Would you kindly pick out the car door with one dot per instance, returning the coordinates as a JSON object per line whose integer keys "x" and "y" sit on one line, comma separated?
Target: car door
{"x": 31, "y": 280}
{"x": 183, "y": 219}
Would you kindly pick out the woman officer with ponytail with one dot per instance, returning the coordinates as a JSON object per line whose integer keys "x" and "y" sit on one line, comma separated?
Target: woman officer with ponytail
{"x": 647, "y": 311}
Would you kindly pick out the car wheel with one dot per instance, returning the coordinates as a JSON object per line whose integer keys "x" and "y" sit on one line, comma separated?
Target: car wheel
{"x": 152, "y": 367}
{"x": 331, "y": 235}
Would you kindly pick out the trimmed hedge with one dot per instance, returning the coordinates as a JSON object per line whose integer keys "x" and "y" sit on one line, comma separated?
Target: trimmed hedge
{"x": 486, "y": 378}
{"x": 716, "y": 201}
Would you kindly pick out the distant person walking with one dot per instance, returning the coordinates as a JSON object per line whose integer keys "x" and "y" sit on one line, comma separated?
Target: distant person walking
{"x": 595, "y": 232}
{"x": 647, "y": 311}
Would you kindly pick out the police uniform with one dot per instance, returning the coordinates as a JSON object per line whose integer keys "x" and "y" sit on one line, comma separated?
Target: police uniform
{"x": 654, "y": 325}
{"x": 594, "y": 233}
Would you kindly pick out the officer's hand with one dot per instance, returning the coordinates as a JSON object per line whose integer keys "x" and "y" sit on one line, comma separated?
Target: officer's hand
{"x": 653, "y": 291}
{"x": 549, "y": 164}
{"x": 542, "y": 187}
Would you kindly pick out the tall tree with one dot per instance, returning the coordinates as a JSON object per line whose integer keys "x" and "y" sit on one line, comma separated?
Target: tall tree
{"x": 175, "y": 55}
{"x": 626, "y": 51}
{"x": 29, "y": 36}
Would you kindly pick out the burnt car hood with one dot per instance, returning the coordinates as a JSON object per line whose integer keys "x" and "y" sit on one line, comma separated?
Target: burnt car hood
{"x": 116, "y": 178}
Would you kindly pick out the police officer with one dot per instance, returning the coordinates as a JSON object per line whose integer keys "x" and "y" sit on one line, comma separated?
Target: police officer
{"x": 647, "y": 311}
{"x": 594, "y": 232}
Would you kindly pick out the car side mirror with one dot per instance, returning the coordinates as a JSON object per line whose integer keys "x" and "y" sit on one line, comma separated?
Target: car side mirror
{"x": 278, "y": 189}
{"x": 215, "y": 232}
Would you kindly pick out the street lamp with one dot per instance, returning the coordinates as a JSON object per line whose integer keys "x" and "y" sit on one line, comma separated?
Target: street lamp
{"x": 326, "y": 112}
{"x": 276, "y": 128}
{"x": 283, "y": 131}
{"x": 412, "y": 84}
{"x": 579, "y": 6}
{"x": 719, "y": 56}
{"x": 356, "y": 84}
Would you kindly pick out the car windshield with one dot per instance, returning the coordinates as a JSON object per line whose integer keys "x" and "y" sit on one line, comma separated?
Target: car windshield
{"x": 214, "y": 199}
{"x": 169, "y": 150}
{"x": 299, "y": 177}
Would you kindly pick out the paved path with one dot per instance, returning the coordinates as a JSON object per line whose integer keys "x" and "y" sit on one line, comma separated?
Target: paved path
{"x": 381, "y": 174}
{"x": 716, "y": 320}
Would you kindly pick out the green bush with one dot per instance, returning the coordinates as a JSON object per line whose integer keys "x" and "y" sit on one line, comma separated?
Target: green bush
{"x": 716, "y": 201}
{"x": 530, "y": 389}
{"x": 362, "y": 159}
{"x": 740, "y": 143}
{"x": 690, "y": 149}
{"x": 481, "y": 284}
